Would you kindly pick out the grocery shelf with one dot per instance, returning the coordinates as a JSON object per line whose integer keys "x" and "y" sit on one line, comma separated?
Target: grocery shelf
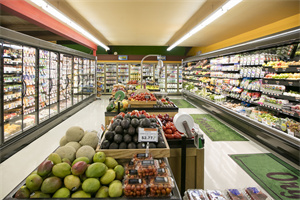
{"x": 224, "y": 77}
{"x": 285, "y": 82}
{"x": 291, "y": 98}
{"x": 290, "y": 69}
{"x": 279, "y": 141}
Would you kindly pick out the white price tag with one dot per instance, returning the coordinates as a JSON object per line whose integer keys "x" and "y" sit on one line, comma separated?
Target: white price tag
{"x": 148, "y": 135}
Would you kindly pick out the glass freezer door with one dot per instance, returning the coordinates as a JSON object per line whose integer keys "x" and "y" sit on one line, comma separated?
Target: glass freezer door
{"x": 76, "y": 81}
{"x": 65, "y": 100}
{"x": 29, "y": 95}
{"x": 12, "y": 90}
{"x": 92, "y": 77}
{"x": 53, "y": 81}
{"x": 69, "y": 80}
{"x": 84, "y": 77}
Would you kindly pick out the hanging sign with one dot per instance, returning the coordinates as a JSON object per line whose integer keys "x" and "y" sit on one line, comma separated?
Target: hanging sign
{"x": 148, "y": 135}
{"x": 122, "y": 57}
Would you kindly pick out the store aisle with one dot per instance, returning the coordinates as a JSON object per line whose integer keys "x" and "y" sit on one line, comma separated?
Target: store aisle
{"x": 221, "y": 172}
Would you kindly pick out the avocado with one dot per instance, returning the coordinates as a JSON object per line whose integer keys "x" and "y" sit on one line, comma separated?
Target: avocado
{"x": 118, "y": 138}
{"x": 119, "y": 130}
{"x": 125, "y": 124}
{"x": 131, "y": 130}
{"x": 141, "y": 145}
{"x": 131, "y": 145}
{"x": 125, "y": 131}
{"x": 152, "y": 120}
{"x": 110, "y": 135}
{"x": 141, "y": 124}
{"x": 123, "y": 145}
{"x": 160, "y": 138}
{"x": 113, "y": 146}
{"x": 146, "y": 122}
{"x": 137, "y": 130}
{"x": 135, "y": 138}
{"x": 142, "y": 116}
{"x": 128, "y": 116}
{"x": 133, "y": 116}
{"x": 127, "y": 138}
{"x": 119, "y": 117}
{"x": 135, "y": 122}
{"x": 105, "y": 144}
{"x": 114, "y": 125}
{"x": 118, "y": 121}
{"x": 153, "y": 124}
{"x": 152, "y": 145}
{"x": 161, "y": 144}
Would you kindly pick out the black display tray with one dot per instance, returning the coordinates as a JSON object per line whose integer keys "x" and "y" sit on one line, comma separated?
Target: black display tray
{"x": 282, "y": 82}
{"x": 175, "y": 192}
{"x": 177, "y": 143}
{"x": 291, "y": 68}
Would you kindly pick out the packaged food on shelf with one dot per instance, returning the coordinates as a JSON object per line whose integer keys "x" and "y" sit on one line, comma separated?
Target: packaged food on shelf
{"x": 163, "y": 172}
{"x": 255, "y": 193}
{"x": 147, "y": 168}
{"x": 135, "y": 187}
{"x": 236, "y": 194}
{"x": 162, "y": 163}
{"x": 131, "y": 174}
{"x": 160, "y": 186}
{"x": 141, "y": 156}
{"x": 215, "y": 195}
{"x": 196, "y": 194}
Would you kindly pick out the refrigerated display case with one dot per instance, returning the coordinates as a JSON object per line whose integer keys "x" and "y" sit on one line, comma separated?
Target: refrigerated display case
{"x": 84, "y": 77}
{"x": 148, "y": 72}
{"x": 180, "y": 78}
{"x": 161, "y": 78}
{"x": 92, "y": 79}
{"x": 123, "y": 73}
{"x": 172, "y": 78}
{"x": 100, "y": 79}
{"x": 135, "y": 72}
{"x": 77, "y": 97}
{"x": 65, "y": 96}
{"x": 36, "y": 80}
{"x": 111, "y": 76}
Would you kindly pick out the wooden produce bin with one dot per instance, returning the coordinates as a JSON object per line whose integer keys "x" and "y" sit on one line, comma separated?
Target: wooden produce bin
{"x": 128, "y": 153}
{"x": 194, "y": 167}
{"x": 170, "y": 111}
{"x": 141, "y": 104}
{"x": 109, "y": 116}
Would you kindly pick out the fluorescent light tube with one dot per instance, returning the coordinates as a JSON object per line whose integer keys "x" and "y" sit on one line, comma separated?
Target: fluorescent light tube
{"x": 57, "y": 14}
{"x": 223, "y": 9}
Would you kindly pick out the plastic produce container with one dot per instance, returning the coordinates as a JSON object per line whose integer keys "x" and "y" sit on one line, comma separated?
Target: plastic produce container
{"x": 135, "y": 187}
{"x": 160, "y": 186}
{"x": 147, "y": 168}
{"x": 131, "y": 174}
{"x": 141, "y": 156}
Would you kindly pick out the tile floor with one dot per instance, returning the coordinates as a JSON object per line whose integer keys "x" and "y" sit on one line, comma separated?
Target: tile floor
{"x": 221, "y": 172}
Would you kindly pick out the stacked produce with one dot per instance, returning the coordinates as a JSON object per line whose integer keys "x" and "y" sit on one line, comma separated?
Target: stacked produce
{"x": 133, "y": 82}
{"x": 118, "y": 87}
{"x": 114, "y": 105}
{"x": 146, "y": 176}
{"x": 124, "y": 128}
{"x": 164, "y": 103}
{"x": 75, "y": 170}
{"x": 169, "y": 128}
{"x": 290, "y": 76}
{"x": 142, "y": 97}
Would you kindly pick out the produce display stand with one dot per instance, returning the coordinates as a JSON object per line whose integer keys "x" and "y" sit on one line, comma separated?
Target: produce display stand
{"x": 141, "y": 104}
{"x": 128, "y": 153}
{"x": 170, "y": 111}
{"x": 175, "y": 192}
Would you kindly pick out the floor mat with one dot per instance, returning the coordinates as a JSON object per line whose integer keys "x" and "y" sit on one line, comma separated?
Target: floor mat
{"x": 277, "y": 177}
{"x": 216, "y": 130}
{"x": 181, "y": 103}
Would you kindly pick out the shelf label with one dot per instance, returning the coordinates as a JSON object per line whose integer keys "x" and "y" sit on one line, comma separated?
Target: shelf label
{"x": 276, "y": 69}
{"x": 290, "y": 83}
{"x": 283, "y": 69}
{"x": 277, "y": 82}
{"x": 298, "y": 69}
{"x": 148, "y": 135}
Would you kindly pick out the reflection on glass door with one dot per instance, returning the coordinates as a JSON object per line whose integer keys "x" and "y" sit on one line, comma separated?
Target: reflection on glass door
{"x": 92, "y": 76}
{"x": 13, "y": 88}
{"x": 44, "y": 86}
{"x": 53, "y": 81}
{"x": 29, "y": 66}
{"x": 84, "y": 77}
{"x": 76, "y": 81}
{"x": 65, "y": 100}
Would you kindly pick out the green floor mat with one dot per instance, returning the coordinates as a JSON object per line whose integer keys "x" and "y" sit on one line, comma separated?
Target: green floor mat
{"x": 215, "y": 130}
{"x": 279, "y": 179}
{"x": 181, "y": 103}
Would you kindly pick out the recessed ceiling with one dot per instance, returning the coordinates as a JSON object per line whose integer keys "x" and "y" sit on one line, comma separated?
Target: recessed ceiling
{"x": 161, "y": 22}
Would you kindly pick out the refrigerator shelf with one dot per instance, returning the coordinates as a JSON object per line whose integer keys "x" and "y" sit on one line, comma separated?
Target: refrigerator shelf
{"x": 14, "y": 118}
{"x": 13, "y": 99}
{"x": 17, "y": 107}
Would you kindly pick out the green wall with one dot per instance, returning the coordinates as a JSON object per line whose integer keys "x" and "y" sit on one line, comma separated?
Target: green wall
{"x": 131, "y": 50}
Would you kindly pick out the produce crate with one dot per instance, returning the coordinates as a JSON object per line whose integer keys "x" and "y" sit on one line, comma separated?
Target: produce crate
{"x": 141, "y": 104}
{"x": 175, "y": 192}
{"x": 170, "y": 111}
{"x": 128, "y": 153}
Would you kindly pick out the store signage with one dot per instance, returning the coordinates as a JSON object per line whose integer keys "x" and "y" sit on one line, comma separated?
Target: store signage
{"x": 162, "y": 58}
{"x": 148, "y": 135}
{"x": 122, "y": 57}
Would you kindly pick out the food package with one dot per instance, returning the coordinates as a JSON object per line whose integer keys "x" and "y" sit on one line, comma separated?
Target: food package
{"x": 135, "y": 187}
{"x": 163, "y": 172}
{"x": 160, "y": 186}
{"x": 195, "y": 194}
{"x": 236, "y": 194}
{"x": 131, "y": 174}
{"x": 141, "y": 156}
{"x": 162, "y": 163}
{"x": 215, "y": 195}
{"x": 129, "y": 166}
{"x": 255, "y": 193}
{"x": 147, "y": 168}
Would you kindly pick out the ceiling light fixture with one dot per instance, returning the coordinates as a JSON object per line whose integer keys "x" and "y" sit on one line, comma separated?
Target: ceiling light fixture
{"x": 57, "y": 14}
{"x": 223, "y": 9}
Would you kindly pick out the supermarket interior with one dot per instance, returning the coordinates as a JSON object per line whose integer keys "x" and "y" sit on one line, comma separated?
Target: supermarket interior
{"x": 185, "y": 99}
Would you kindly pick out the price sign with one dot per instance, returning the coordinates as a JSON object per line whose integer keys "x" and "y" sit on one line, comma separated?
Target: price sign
{"x": 148, "y": 135}
{"x": 290, "y": 83}
{"x": 283, "y": 69}
{"x": 277, "y": 82}
{"x": 298, "y": 69}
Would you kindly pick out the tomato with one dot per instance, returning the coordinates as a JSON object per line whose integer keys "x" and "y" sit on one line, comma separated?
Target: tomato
{"x": 164, "y": 128}
{"x": 169, "y": 136}
{"x": 168, "y": 131}
{"x": 177, "y": 135}
{"x": 122, "y": 114}
{"x": 168, "y": 125}
{"x": 174, "y": 129}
